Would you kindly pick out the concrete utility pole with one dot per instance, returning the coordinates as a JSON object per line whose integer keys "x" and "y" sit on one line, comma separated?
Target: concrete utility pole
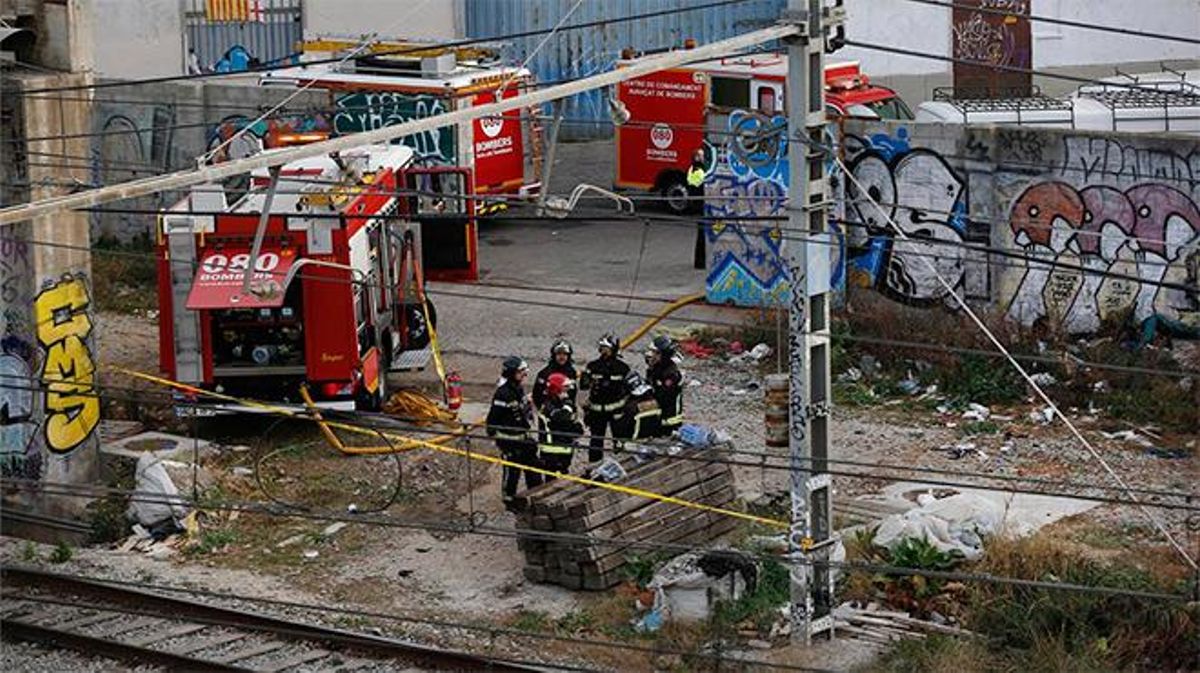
{"x": 810, "y": 539}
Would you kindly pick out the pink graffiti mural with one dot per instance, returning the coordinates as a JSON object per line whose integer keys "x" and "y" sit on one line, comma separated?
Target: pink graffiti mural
{"x": 1100, "y": 252}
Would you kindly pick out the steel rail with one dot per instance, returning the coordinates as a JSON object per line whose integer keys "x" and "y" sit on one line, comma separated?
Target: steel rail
{"x": 163, "y": 606}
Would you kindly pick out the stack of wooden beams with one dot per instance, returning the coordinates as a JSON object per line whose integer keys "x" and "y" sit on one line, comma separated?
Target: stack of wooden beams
{"x": 614, "y": 523}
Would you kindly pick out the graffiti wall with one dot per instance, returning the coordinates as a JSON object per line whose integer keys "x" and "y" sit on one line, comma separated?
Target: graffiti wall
{"x": 365, "y": 111}
{"x": 19, "y": 450}
{"x": 746, "y": 191}
{"x": 1046, "y": 225}
{"x": 1051, "y": 226}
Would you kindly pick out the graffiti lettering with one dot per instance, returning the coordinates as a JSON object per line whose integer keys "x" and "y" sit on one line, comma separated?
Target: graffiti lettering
{"x": 926, "y": 198}
{"x": 369, "y": 111}
{"x": 977, "y": 39}
{"x": 68, "y": 372}
{"x": 1089, "y": 159}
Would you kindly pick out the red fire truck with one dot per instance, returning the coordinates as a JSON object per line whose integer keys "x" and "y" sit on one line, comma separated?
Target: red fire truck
{"x": 394, "y": 82}
{"x": 333, "y": 300}
{"x": 672, "y": 112}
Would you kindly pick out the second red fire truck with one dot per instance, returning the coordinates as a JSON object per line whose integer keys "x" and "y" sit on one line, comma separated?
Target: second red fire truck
{"x": 672, "y": 112}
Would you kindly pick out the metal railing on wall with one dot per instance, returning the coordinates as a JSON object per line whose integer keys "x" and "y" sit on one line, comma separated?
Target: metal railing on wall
{"x": 232, "y": 35}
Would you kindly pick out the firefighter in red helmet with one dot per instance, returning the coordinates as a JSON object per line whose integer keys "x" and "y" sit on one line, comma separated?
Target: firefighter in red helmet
{"x": 561, "y": 362}
{"x": 509, "y": 422}
{"x": 558, "y": 426}
{"x": 604, "y": 379}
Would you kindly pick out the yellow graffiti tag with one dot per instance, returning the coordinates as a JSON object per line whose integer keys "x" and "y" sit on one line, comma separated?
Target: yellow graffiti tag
{"x": 60, "y": 312}
{"x": 72, "y": 407}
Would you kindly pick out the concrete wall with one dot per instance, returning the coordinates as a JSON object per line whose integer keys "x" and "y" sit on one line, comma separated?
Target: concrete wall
{"x": 140, "y": 39}
{"x": 50, "y": 433}
{"x": 439, "y": 20}
{"x": 1117, "y": 213}
{"x": 161, "y": 127}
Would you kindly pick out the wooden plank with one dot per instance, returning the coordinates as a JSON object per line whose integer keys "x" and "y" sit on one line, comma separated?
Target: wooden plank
{"x": 627, "y": 517}
{"x": 673, "y": 486}
{"x": 615, "y": 574}
{"x": 252, "y": 651}
{"x": 206, "y": 643}
{"x": 295, "y": 660}
{"x": 657, "y": 522}
{"x": 688, "y": 523}
{"x": 160, "y": 636}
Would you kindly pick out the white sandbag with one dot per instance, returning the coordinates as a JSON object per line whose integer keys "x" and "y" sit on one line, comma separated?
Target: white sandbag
{"x": 157, "y": 498}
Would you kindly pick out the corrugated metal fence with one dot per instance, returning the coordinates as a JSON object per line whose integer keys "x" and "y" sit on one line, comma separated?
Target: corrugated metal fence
{"x": 579, "y": 53}
{"x": 228, "y": 35}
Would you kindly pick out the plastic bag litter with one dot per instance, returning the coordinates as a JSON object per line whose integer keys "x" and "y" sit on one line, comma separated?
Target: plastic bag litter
{"x": 954, "y": 524}
{"x": 160, "y": 499}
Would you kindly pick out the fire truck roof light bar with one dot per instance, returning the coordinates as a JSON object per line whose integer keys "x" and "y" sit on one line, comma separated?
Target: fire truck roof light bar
{"x": 183, "y": 179}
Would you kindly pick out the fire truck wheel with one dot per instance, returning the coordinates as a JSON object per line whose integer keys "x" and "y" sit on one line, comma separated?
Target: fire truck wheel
{"x": 675, "y": 195}
{"x": 418, "y": 331}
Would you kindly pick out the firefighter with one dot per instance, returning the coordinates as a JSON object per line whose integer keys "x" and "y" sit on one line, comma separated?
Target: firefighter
{"x": 695, "y": 188}
{"x": 508, "y": 422}
{"x": 558, "y": 426}
{"x": 561, "y": 362}
{"x": 643, "y": 417}
{"x": 663, "y": 375}
{"x": 604, "y": 379}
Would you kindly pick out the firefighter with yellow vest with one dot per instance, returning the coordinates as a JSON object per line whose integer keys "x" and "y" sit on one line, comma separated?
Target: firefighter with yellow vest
{"x": 695, "y": 188}
{"x": 643, "y": 417}
{"x": 558, "y": 426}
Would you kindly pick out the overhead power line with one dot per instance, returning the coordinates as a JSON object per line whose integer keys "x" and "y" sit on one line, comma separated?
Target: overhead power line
{"x": 259, "y": 507}
{"x": 1117, "y": 30}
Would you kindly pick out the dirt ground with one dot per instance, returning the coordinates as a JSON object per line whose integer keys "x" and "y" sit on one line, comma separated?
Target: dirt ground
{"x": 458, "y": 576}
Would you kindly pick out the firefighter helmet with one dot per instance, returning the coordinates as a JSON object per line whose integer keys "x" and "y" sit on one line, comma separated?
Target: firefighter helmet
{"x": 664, "y": 345}
{"x": 561, "y": 346}
{"x": 557, "y": 385}
{"x": 512, "y": 365}
{"x": 636, "y": 385}
{"x": 609, "y": 340}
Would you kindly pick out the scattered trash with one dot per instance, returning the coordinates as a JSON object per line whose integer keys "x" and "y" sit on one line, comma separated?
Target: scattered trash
{"x": 959, "y": 451}
{"x": 870, "y": 366}
{"x": 650, "y": 622}
{"x": 758, "y": 644}
{"x": 691, "y": 584}
{"x": 1169, "y": 454}
{"x": 736, "y": 348}
{"x": 609, "y": 471}
{"x": 696, "y": 350}
{"x": 1043, "y": 416}
{"x": 1043, "y": 379}
{"x": 1100, "y": 387}
{"x": 909, "y": 386}
{"x": 760, "y": 352}
{"x": 352, "y": 508}
{"x": 1128, "y": 436}
{"x": 851, "y": 375}
{"x": 295, "y": 539}
{"x": 976, "y": 412}
{"x": 240, "y": 471}
{"x": 696, "y": 436}
{"x": 311, "y": 554}
{"x": 333, "y": 528}
{"x": 1186, "y": 383}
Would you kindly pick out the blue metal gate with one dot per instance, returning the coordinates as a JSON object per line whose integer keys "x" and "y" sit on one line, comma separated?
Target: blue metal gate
{"x": 579, "y": 53}
{"x": 231, "y": 35}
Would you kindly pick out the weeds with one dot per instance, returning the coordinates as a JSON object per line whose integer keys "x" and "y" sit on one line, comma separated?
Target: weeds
{"x": 761, "y": 605}
{"x": 29, "y": 552}
{"x": 640, "y": 568}
{"x": 211, "y": 541}
{"x": 980, "y": 428}
{"x": 124, "y": 279}
{"x": 533, "y": 621}
{"x": 62, "y": 553}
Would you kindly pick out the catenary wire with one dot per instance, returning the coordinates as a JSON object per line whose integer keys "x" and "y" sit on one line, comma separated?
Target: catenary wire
{"x": 616, "y": 446}
{"x": 258, "y": 507}
{"x": 1061, "y": 358}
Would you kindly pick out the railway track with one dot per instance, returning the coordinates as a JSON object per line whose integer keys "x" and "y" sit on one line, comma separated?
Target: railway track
{"x": 96, "y": 618}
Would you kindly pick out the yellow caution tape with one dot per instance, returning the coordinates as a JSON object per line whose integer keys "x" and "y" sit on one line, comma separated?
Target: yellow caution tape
{"x": 409, "y": 441}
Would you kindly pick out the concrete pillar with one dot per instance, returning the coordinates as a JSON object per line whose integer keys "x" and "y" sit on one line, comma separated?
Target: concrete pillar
{"x": 49, "y": 410}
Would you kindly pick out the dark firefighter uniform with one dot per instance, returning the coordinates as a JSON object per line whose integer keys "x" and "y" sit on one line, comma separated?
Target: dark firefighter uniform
{"x": 554, "y": 366}
{"x": 508, "y": 422}
{"x": 666, "y": 380}
{"x": 604, "y": 379}
{"x": 558, "y": 429}
{"x": 642, "y": 417}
